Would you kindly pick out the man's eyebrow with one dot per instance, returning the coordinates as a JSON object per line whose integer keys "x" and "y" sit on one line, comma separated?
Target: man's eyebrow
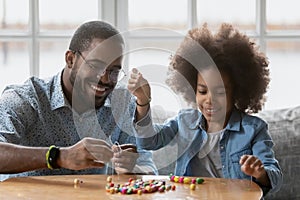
{"x": 116, "y": 66}
{"x": 98, "y": 61}
{"x": 95, "y": 60}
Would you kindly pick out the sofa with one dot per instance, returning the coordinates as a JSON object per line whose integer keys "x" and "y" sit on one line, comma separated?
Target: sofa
{"x": 284, "y": 128}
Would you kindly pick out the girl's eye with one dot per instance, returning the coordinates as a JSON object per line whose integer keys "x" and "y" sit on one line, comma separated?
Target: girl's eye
{"x": 202, "y": 92}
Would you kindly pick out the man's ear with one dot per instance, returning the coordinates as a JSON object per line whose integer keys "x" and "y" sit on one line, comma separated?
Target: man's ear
{"x": 69, "y": 57}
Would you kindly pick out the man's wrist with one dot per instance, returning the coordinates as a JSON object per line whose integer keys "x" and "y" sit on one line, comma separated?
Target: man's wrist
{"x": 52, "y": 156}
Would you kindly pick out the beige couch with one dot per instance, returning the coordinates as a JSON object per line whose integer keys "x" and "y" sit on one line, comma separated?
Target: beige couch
{"x": 284, "y": 127}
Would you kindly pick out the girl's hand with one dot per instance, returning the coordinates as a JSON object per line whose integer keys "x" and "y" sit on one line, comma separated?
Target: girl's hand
{"x": 139, "y": 87}
{"x": 252, "y": 166}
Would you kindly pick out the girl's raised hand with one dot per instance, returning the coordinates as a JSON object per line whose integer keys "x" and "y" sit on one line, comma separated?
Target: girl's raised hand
{"x": 139, "y": 87}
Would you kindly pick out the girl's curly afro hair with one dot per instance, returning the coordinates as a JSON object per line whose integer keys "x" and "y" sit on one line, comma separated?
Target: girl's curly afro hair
{"x": 234, "y": 54}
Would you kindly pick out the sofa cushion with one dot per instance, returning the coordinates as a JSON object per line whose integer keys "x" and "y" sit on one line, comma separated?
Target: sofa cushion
{"x": 284, "y": 127}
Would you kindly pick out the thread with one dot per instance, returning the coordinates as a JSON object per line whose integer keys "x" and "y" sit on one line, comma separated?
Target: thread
{"x": 113, "y": 164}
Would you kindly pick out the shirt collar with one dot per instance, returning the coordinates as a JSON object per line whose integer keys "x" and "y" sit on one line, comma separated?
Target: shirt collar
{"x": 58, "y": 98}
{"x": 193, "y": 120}
{"x": 235, "y": 120}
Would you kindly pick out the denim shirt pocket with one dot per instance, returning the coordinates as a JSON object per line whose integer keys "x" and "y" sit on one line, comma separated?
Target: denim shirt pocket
{"x": 235, "y": 162}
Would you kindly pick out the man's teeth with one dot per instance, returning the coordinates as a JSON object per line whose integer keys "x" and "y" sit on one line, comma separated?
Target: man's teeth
{"x": 99, "y": 89}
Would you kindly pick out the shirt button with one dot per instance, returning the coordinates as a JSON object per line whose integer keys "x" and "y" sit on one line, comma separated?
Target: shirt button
{"x": 222, "y": 147}
{"x": 80, "y": 119}
{"x": 223, "y": 166}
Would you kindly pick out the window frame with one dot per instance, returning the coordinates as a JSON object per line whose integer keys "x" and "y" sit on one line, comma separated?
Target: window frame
{"x": 116, "y": 13}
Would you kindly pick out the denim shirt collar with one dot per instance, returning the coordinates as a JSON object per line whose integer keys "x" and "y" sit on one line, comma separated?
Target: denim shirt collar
{"x": 234, "y": 123}
{"x": 194, "y": 119}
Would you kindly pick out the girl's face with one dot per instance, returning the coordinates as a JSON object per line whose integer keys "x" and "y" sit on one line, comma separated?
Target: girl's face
{"x": 214, "y": 98}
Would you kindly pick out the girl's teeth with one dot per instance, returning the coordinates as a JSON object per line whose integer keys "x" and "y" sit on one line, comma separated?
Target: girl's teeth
{"x": 209, "y": 110}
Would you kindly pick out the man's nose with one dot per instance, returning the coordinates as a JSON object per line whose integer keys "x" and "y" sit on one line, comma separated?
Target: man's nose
{"x": 104, "y": 76}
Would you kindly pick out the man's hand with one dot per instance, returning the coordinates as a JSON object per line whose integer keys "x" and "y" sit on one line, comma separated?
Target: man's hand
{"x": 87, "y": 153}
{"x": 125, "y": 157}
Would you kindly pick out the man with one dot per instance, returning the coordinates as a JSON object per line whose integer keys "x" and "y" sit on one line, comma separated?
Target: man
{"x": 67, "y": 124}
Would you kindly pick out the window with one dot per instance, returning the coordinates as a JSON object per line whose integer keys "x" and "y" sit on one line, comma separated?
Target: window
{"x": 34, "y": 41}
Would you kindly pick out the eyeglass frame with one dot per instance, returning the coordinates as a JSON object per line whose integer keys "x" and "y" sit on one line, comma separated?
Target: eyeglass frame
{"x": 94, "y": 68}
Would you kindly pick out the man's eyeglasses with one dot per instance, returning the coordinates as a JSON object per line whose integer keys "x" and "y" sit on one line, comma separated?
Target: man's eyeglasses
{"x": 114, "y": 74}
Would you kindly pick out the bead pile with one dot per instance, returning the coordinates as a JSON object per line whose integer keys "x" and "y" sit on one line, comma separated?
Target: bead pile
{"x": 138, "y": 186}
{"x": 186, "y": 180}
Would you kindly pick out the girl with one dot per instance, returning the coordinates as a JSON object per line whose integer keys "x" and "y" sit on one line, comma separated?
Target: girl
{"x": 220, "y": 138}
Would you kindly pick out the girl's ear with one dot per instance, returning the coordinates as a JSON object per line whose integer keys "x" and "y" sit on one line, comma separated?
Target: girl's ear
{"x": 69, "y": 57}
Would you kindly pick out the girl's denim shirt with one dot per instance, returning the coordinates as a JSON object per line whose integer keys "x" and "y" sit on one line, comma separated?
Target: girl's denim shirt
{"x": 244, "y": 134}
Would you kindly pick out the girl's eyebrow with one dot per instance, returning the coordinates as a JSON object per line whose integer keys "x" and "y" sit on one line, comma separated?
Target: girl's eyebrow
{"x": 217, "y": 87}
{"x": 202, "y": 85}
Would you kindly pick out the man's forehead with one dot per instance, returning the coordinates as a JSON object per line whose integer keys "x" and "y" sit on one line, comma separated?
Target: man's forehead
{"x": 106, "y": 50}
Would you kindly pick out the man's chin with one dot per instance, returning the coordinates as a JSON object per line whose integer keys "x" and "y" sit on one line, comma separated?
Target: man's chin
{"x": 99, "y": 101}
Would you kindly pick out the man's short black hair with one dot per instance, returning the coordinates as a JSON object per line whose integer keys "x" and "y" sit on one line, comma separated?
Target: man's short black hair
{"x": 88, "y": 31}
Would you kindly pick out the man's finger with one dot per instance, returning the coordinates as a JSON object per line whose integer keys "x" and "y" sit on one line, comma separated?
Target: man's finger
{"x": 132, "y": 147}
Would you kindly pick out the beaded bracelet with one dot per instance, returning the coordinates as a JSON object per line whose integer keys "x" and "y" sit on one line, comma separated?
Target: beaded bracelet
{"x": 142, "y": 105}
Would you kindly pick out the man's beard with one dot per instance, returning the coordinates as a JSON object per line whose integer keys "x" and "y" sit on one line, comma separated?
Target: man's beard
{"x": 80, "y": 96}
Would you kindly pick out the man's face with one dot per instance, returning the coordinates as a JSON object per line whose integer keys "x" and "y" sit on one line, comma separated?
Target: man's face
{"x": 93, "y": 75}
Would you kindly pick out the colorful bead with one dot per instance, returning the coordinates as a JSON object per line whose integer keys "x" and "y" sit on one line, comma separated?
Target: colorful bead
{"x": 172, "y": 178}
{"x": 124, "y": 190}
{"x": 112, "y": 190}
{"x": 192, "y": 186}
{"x": 186, "y": 180}
{"x": 199, "y": 180}
{"x": 168, "y": 187}
{"x": 129, "y": 191}
{"x": 162, "y": 188}
{"x": 173, "y": 187}
{"x": 109, "y": 179}
{"x": 139, "y": 192}
{"x": 180, "y": 180}
{"x": 176, "y": 179}
{"x": 77, "y": 183}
